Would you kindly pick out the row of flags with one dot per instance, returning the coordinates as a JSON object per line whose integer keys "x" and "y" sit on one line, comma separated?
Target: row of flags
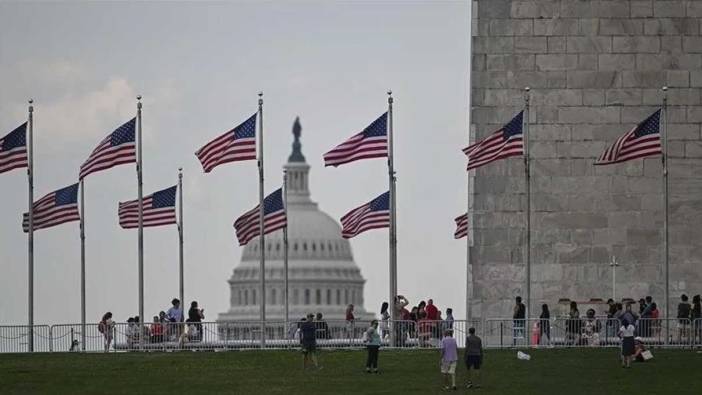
{"x": 61, "y": 206}
{"x": 239, "y": 144}
{"x": 122, "y": 146}
{"x": 641, "y": 141}
{"x": 371, "y": 142}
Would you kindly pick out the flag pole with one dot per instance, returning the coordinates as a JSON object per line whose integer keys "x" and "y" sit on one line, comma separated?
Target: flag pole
{"x": 393, "y": 223}
{"x": 285, "y": 251}
{"x": 180, "y": 237}
{"x": 664, "y": 158}
{"x": 262, "y": 240}
{"x": 82, "y": 264}
{"x": 30, "y": 233}
{"x": 469, "y": 267}
{"x": 141, "y": 227}
{"x": 527, "y": 173}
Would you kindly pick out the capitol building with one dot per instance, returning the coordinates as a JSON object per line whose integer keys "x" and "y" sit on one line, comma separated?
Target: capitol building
{"x": 323, "y": 277}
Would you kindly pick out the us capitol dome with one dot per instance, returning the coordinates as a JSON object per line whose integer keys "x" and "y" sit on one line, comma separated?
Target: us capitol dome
{"x": 322, "y": 275}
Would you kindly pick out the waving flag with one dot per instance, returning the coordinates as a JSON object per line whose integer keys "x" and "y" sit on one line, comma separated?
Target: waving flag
{"x": 372, "y": 142}
{"x": 117, "y": 148}
{"x": 372, "y": 215}
{"x": 247, "y": 226}
{"x": 236, "y": 145}
{"x": 461, "y": 227}
{"x": 159, "y": 209}
{"x": 505, "y": 142}
{"x": 53, "y": 209}
{"x": 13, "y": 149}
{"x": 643, "y": 140}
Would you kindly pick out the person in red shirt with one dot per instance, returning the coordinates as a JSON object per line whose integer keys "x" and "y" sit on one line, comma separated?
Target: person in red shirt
{"x": 349, "y": 313}
{"x": 350, "y": 321}
{"x": 431, "y": 310}
{"x": 655, "y": 322}
{"x": 424, "y": 330}
{"x": 156, "y": 331}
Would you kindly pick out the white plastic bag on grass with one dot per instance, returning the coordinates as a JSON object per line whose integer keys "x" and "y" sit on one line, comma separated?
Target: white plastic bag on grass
{"x": 523, "y": 356}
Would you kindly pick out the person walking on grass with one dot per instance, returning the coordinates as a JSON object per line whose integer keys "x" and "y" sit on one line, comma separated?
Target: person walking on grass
{"x": 308, "y": 339}
{"x": 626, "y": 332}
{"x": 449, "y": 356}
{"x": 473, "y": 357}
{"x": 372, "y": 339}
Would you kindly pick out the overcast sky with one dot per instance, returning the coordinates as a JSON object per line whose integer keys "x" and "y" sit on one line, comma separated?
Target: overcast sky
{"x": 199, "y": 68}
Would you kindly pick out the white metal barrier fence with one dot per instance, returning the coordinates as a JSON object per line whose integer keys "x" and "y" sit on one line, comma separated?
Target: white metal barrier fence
{"x": 588, "y": 332}
{"x": 220, "y": 336}
{"x": 69, "y": 337}
{"x": 15, "y": 338}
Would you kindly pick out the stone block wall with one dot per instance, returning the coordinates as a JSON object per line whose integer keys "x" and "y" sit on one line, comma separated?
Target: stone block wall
{"x": 595, "y": 69}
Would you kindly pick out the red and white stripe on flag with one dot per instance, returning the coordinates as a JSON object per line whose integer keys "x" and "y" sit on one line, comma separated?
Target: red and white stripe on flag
{"x": 461, "y": 226}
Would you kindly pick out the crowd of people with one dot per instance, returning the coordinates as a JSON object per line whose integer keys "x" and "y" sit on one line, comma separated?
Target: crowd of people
{"x": 166, "y": 326}
{"x": 310, "y": 328}
{"x": 426, "y": 323}
{"x": 593, "y": 329}
{"x": 423, "y": 321}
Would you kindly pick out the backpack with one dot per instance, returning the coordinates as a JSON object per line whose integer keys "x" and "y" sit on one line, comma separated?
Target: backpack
{"x": 102, "y": 327}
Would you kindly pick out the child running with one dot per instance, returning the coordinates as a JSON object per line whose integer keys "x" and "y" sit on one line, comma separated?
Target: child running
{"x": 449, "y": 356}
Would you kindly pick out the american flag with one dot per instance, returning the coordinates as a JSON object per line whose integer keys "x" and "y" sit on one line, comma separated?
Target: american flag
{"x": 643, "y": 140}
{"x": 372, "y": 215}
{"x": 372, "y": 142}
{"x": 53, "y": 209}
{"x": 505, "y": 142}
{"x": 247, "y": 226}
{"x": 116, "y": 149}
{"x": 159, "y": 209}
{"x": 235, "y": 145}
{"x": 13, "y": 149}
{"x": 461, "y": 227}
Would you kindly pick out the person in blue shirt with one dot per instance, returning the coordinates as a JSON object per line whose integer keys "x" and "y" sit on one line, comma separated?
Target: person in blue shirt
{"x": 175, "y": 313}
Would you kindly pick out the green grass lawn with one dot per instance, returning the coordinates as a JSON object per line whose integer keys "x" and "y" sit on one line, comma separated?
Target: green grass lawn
{"x": 550, "y": 372}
